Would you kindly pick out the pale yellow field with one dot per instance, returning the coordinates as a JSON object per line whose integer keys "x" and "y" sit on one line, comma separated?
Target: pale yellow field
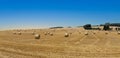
{"x": 98, "y": 45}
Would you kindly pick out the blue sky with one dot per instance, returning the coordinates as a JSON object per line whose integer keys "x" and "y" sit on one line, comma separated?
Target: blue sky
{"x": 47, "y": 13}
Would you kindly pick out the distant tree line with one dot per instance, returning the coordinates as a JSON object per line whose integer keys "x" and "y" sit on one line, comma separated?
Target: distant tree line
{"x": 111, "y": 24}
{"x": 106, "y": 26}
{"x": 115, "y": 24}
{"x": 87, "y": 26}
{"x": 56, "y": 27}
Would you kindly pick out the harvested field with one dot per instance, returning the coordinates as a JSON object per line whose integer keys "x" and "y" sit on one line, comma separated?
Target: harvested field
{"x": 77, "y": 45}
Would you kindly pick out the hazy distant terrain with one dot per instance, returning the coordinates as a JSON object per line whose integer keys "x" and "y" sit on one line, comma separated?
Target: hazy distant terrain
{"x": 96, "y": 44}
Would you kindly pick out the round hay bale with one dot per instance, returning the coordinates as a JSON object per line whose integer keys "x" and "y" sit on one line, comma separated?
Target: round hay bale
{"x": 70, "y": 33}
{"x": 106, "y": 32}
{"x": 86, "y": 33}
{"x": 66, "y": 35}
{"x": 45, "y": 33}
{"x": 118, "y": 32}
{"x": 19, "y": 33}
{"x": 51, "y": 34}
{"x": 33, "y": 33}
{"x": 48, "y": 33}
{"x": 14, "y": 32}
{"x": 37, "y": 36}
{"x": 79, "y": 32}
{"x": 94, "y": 33}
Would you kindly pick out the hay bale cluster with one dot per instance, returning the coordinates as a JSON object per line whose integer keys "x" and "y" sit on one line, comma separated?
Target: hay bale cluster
{"x": 48, "y": 33}
{"x": 17, "y": 33}
{"x": 66, "y": 34}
